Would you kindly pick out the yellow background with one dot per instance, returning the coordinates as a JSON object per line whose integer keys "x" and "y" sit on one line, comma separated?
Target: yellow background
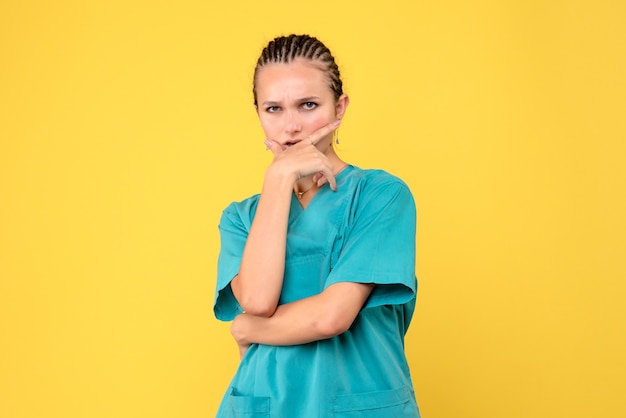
{"x": 126, "y": 127}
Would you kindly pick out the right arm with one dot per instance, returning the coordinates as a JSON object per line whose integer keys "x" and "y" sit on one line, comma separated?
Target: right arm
{"x": 258, "y": 284}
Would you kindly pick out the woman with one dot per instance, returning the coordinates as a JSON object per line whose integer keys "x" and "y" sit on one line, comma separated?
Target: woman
{"x": 318, "y": 271}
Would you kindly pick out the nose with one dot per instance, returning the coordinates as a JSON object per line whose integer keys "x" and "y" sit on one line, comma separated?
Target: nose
{"x": 293, "y": 125}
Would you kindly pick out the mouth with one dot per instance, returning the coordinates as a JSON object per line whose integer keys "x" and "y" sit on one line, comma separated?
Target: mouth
{"x": 291, "y": 143}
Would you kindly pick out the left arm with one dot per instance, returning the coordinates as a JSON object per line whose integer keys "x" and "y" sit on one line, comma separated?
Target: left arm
{"x": 315, "y": 318}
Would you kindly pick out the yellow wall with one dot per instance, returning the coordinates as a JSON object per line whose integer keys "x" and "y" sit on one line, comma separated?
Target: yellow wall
{"x": 126, "y": 127}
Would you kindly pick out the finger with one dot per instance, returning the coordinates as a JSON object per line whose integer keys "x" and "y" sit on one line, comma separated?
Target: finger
{"x": 321, "y": 181}
{"x": 327, "y": 176}
{"x": 332, "y": 183}
{"x": 272, "y": 146}
{"x": 315, "y": 137}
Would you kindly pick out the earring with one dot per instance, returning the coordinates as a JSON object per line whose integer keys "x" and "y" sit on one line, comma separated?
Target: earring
{"x": 336, "y": 135}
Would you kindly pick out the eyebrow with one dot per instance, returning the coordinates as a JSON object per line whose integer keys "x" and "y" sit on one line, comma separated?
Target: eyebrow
{"x": 302, "y": 100}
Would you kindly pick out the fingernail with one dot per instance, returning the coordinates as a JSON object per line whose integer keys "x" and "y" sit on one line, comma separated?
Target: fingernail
{"x": 267, "y": 144}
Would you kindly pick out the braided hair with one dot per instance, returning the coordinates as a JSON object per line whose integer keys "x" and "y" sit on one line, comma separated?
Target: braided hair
{"x": 285, "y": 49}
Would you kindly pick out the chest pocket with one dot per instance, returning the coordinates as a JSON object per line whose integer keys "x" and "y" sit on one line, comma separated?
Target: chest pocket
{"x": 304, "y": 277}
{"x": 307, "y": 259}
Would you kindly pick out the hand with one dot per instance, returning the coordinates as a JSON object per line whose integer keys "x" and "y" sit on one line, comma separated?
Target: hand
{"x": 243, "y": 349}
{"x": 303, "y": 159}
{"x": 237, "y": 331}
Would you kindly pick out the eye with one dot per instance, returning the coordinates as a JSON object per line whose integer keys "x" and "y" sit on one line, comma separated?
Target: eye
{"x": 272, "y": 109}
{"x": 309, "y": 105}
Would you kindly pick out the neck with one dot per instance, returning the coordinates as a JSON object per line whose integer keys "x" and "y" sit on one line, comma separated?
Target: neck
{"x": 302, "y": 187}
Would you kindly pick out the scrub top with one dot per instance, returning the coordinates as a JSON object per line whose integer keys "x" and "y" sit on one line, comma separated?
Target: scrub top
{"x": 365, "y": 233}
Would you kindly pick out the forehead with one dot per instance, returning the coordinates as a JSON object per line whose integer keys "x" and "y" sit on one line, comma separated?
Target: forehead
{"x": 300, "y": 76}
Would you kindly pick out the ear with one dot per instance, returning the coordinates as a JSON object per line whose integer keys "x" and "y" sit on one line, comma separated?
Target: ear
{"x": 341, "y": 105}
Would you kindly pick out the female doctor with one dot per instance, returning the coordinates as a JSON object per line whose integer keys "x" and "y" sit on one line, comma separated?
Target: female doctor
{"x": 317, "y": 271}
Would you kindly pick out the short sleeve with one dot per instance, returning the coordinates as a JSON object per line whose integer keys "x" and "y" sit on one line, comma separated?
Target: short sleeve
{"x": 379, "y": 244}
{"x": 233, "y": 235}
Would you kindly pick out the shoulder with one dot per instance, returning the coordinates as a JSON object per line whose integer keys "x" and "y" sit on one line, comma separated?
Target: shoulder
{"x": 378, "y": 183}
{"x": 374, "y": 192}
{"x": 240, "y": 212}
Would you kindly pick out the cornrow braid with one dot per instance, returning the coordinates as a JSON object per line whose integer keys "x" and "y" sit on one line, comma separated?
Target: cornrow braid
{"x": 285, "y": 49}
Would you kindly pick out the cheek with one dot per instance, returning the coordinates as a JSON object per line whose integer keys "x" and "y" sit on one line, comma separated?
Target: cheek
{"x": 268, "y": 127}
{"x": 317, "y": 121}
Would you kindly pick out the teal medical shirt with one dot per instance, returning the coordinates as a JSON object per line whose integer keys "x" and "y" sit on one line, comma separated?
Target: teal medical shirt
{"x": 365, "y": 233}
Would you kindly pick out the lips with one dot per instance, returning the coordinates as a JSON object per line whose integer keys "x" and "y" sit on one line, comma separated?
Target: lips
{"x": 291, "y": 142}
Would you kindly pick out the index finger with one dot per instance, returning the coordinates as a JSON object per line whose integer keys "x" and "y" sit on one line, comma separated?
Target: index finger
{"x": 315, "y": 137}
